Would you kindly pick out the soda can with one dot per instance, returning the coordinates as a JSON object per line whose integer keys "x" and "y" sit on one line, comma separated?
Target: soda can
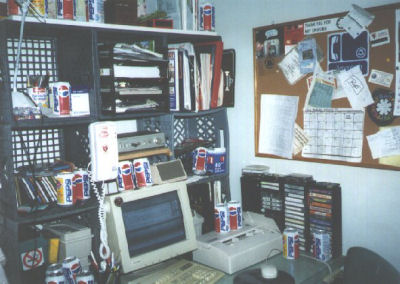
{"x": 125, "y": 176}
{"x": 235, "y": 214}
{"x": 321, "y": 245}
{"x": 54, "y": 268}
{"x": 38, "y": 95}
{"x": 51, "y": 9}
{"x": 13, "y": 8}
{"x": 64, "y": 189}
{"x": 80, "y": 10}
{"x": 290, "y": 243}
{"x": 221, "y": 221}
{"x": 72, "y": 267}
{"x": 40, "y": 6}
{"x": 80, "y": 185}
{"x": 65, "y": 9}
{"x": 85, "y": 277}
{"x": 199, "y": 165}
{"x": 55, "y": 278}
{"x": 216, "y": 160}
{"x": 60, "y": 98}
{"x": 207, "y": 17}
{"x": 95, "y": 11}
{"x": 142, "y": 172}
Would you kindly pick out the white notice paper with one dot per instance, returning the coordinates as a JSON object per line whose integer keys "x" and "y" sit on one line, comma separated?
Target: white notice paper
{"x": 290, "y": 66}
{"x": 385, "y": 142}
{"x": 277, "y": 117}
{"x": 355, "y": 87}
{"x": 356, "y": 21}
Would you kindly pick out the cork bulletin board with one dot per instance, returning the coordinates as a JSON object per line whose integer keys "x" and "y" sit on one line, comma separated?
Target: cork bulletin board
{"x": 272, "y": 43}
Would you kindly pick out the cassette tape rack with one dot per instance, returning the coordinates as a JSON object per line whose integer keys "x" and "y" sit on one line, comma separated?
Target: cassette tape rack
{"x": 324, "y": 204}
{"x": 295, "y": 188}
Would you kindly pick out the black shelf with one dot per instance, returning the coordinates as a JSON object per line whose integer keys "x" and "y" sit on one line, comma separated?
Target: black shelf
{"x": 54, "y": 212}
{"x": 51, "y": 122}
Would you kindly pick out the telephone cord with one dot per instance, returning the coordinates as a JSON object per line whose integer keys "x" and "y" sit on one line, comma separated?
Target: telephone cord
{"x": 104, "y": 249}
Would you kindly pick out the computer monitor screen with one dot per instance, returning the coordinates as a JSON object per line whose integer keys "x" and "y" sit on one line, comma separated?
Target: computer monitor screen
{"x": 150, "y": 225}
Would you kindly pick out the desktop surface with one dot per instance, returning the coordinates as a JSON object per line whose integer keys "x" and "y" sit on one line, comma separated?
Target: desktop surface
{"x": 305, "y": 269}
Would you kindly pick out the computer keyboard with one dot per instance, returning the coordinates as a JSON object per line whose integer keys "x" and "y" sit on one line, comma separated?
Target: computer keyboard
{"x": 177, "y": 272}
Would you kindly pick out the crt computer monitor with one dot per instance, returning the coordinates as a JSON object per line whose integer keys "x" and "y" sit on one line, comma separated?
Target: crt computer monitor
{"x": 150, "y": 225}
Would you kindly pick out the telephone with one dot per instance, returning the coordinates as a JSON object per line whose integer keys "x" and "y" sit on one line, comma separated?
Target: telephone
{"x": 103, "y": 150}
{"x": 104, "y": 166}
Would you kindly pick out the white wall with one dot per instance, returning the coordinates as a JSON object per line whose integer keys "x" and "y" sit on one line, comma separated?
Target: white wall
{"x": 370, "y": 198}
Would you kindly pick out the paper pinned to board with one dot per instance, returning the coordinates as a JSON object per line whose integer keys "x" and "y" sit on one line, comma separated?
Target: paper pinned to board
{"x": 300, "y": 139}
{"x": 356, "y": 21}
{"x": 321, "y": 89}
{"x": 355, "y": 87}
{"x": 277, "y": 118}
{"x": 290, "y": 66}
{"x": 385, "y": 142}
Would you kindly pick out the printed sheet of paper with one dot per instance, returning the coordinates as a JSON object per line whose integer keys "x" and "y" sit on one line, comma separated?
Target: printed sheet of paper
{"x": 385, "y": 142}
{"x": 277, "y": 118}
{"x": 300, "y": 139}
{"x": 290, "y": 66}
{"x": 356, "y": 21}
{"x": 321, "y": 89}
{"x": 355, "y": 87}
{"x": 334, "y": 134}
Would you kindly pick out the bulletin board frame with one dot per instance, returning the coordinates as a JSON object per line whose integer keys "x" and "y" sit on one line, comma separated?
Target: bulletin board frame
{"x": 269, "y": 78}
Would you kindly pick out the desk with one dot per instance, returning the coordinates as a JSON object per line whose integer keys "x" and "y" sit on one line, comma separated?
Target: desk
{"x": 304, "y": 270}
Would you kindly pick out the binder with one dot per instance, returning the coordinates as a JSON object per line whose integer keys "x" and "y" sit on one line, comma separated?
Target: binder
{"x": 215, "y": 49}
{"x": 173, "y": 80}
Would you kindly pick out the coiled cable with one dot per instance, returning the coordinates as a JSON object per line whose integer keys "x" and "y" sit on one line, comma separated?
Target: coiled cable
{"x": 104, "y": 249}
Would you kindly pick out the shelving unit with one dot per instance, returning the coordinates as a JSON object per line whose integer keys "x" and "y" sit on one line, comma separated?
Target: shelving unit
{"x": 68, "y": 51}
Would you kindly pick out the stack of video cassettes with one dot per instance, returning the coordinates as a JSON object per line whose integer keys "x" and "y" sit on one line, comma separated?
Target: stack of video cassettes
{"x": 324, "y": 200}
{"x": 296, "y": 213}
{"x": 263, "y": 193}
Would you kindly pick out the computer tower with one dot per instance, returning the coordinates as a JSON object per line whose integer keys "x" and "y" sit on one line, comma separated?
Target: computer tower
{"x": 263, "y": 193}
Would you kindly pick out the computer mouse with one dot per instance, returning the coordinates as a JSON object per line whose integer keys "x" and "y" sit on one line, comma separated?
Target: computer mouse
{"x": 269, "y": 271}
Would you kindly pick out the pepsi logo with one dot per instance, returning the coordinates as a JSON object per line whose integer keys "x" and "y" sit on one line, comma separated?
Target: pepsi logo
{"x": 104, "y": 133}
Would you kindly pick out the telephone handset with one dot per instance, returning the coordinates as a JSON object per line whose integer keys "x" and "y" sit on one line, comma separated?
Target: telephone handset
{"x": 103, "y": 150}
{"x": 104, "y": 166}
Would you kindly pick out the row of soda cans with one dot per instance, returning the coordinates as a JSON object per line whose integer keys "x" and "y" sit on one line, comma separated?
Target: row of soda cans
{"x": 321, "y": 246}
{"x": 78, "y": 10}
{"x": 69, "y": 271}
{"x": 135, "y": 174}
{"x": 58, "y": 97}
{"x": 72, "y": 186}
{"x": 228, "y": 217}
{"x": 208, "y": 160}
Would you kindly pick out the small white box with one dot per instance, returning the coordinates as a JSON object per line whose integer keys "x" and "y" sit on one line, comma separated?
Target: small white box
{"x": 75, "y": 240}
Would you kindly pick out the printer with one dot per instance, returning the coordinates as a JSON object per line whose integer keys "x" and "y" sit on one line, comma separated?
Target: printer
{"x": 258, "y": 239}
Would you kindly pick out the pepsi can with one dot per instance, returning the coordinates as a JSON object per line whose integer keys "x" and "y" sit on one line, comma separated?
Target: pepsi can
{"x": 207, "y": 17}
{"x": 221, "y": 218}
{"x": 85, "y": 277}
{"x": 321, "y": 245}
{"x": 235, "y": 214}
{"x": 60, "y": 98}
{"x": 125, "y": 176}
{"x": 95, "y": 11}
{"x": 199, "y": 165}
{"x": 65, "y": 193}
{"x": 290, "y": 243}
{"x": 65, "y": 9}
{"x": 72, "y": 267}
{"x": 81, "y": 185}
{"x": 54, "y": 268}
{"x": 55, "y": 278}
{"x": 142, "y": 172}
